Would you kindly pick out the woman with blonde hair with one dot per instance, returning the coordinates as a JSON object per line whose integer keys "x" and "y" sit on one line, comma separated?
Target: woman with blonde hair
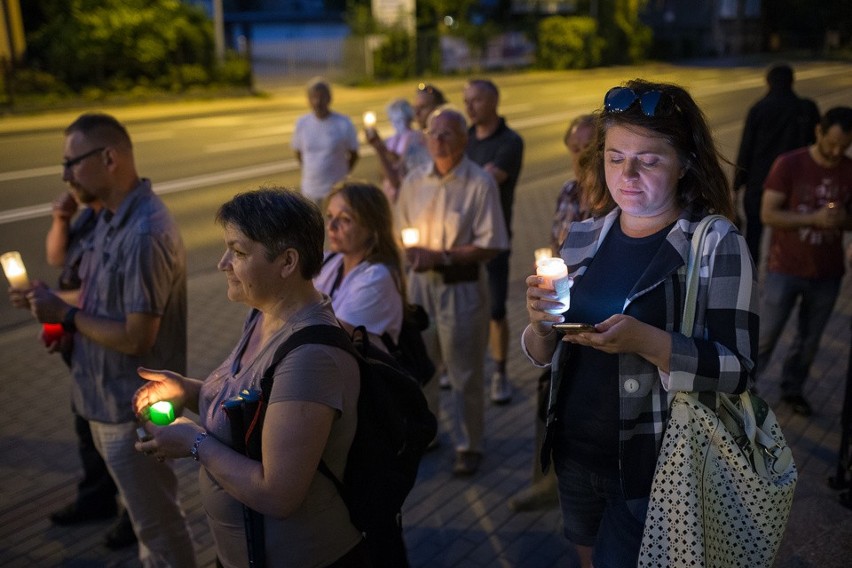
{"x": 363, "y": 271}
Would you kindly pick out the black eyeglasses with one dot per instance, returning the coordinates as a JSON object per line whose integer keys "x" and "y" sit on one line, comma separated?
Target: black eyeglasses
{"x": 652, "y": 103}
{"x": 71, "y": 162}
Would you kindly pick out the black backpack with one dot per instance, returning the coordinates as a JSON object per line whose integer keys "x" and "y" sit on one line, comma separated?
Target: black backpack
{"x": 394, "y": 428}
{"x": 410, "y": 351}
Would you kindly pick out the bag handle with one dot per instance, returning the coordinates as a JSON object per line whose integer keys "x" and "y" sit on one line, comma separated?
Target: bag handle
{"x": 765, "y": 452}
{"x": 693, "y": 269}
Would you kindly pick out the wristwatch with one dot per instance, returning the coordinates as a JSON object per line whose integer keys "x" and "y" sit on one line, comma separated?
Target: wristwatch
{"x": 68, "y": 324}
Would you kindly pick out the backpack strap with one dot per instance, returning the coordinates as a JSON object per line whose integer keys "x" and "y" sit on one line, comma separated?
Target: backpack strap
{"x": 321, "y": 334}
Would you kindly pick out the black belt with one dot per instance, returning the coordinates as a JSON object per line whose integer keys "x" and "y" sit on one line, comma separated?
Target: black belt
{"x": 457, "y": 273}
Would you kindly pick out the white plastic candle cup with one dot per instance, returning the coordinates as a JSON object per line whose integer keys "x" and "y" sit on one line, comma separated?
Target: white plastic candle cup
{"x": 542, "y": 253}
{"x": 411, "y": 236}
{"x": 369, "y": 119}
{"x": 554, "y": 275}
{"x": 13, "y": 267}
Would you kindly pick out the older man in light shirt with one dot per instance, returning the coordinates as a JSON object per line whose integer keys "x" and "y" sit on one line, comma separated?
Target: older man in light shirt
{"x": 455, "y": 205}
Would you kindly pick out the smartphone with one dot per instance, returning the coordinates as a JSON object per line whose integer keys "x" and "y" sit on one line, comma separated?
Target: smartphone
{"x": 574, "y": 328}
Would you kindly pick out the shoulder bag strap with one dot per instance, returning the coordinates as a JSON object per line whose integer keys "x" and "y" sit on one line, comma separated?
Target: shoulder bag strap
{"x": 693, "y": 267}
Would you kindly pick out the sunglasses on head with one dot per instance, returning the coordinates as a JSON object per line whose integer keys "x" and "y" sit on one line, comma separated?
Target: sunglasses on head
{"x": 652, "y": 103}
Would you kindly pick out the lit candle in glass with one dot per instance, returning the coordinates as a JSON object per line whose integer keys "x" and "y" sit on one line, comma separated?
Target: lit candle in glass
{"x": 554, "y": 275}
{"x": 411, "y": 236}
{"x": 369, "y": 119}
{"x": 542, "y": 253}
{"x": 13, "y": 267}
{"x": 370, "y": 124}
{"x": 162, "y": 413}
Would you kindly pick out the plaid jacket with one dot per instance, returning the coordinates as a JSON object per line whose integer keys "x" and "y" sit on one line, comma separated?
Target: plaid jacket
{"x": 719, "y": 357}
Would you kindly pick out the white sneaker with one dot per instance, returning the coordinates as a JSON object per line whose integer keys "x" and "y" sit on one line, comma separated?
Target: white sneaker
{"x": 444, "y": 381}
{"x": 501, "y": 390}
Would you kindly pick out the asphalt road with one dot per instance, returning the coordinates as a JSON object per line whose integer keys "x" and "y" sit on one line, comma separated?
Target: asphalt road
{"x": 200, "y": 153}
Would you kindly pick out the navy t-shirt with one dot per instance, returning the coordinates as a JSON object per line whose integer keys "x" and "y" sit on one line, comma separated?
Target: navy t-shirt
{"x": 588, "y": 406}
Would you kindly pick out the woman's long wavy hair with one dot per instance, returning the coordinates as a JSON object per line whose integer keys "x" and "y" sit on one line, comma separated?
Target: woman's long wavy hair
{"x": 371, "y": 210}
{"x": 704, "y": 186}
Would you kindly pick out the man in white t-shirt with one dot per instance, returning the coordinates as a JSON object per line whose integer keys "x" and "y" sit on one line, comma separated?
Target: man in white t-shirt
{"x": 325, "y": 142}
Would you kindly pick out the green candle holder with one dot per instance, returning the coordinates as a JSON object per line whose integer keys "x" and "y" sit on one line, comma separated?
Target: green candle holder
{"x": 162, "y": 413}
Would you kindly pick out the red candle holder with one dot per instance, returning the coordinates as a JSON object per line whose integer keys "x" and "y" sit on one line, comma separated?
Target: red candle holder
{"x": 51, "y": 333}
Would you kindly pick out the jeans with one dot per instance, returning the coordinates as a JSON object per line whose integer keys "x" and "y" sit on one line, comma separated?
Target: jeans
{"x": 595, "y": 513}
{"x": 149, "y": 491}
{"x": 816, "y": 302}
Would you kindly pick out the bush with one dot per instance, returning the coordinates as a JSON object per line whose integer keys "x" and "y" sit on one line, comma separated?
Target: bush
{"x": 234, "y": 70}
{"x": 110, "y": 42}
{"x": 394, "y": 59}
{"x": 38, "y": 82}
{"x": 184, "y": 76}
{"x": 568, "y": 43}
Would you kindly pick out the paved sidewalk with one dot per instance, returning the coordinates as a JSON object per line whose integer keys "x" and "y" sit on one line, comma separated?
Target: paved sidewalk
{"x": 449, "y": 522}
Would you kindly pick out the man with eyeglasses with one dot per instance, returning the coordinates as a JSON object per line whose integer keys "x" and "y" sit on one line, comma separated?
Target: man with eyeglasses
{"x": 455, "y": 205}
{"x": 500, "y": 151}
{"x": 129, "y": 311}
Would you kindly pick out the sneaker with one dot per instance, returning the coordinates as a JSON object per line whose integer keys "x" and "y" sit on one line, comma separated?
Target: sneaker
{"x": 75, "y": 514}
{"x": 798, "y": 403}
{"x": 444, "y": 381}
{"x": 467, "y": 463}
{"x": 121, "y": 534}
{"x": 501, "y": 390}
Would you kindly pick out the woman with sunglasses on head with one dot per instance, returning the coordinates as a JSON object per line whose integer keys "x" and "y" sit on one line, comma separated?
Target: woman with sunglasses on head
{"x": 652, "y": 175}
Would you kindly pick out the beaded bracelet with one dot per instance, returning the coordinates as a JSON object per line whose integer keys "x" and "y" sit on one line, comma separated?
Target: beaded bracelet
{"x": 198, "y": 439}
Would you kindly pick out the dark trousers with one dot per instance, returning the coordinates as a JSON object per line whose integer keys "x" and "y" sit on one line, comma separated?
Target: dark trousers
{"x": 754, "y": 226}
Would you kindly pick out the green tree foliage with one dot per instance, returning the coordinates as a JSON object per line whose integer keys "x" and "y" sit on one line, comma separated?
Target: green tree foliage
{"x": 568, "y": 43}
{"x": 394, "y": 59}
{"x": 469, "y": 20}
{"x": 627, "y": 40}
{"x": 116, "y": 44}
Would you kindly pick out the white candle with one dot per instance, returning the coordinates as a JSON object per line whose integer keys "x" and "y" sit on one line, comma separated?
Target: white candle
{"x": 411, "y": 236}
{"x": 554, "y": 275}
{"x": 369, "y": 119}
{"x": 542, "y": 253}
{"x": 13, "y": 267}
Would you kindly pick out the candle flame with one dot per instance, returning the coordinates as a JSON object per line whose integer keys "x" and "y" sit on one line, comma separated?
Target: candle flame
{"x": 542, "y": 253}
{"x": 410, "y": 236}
